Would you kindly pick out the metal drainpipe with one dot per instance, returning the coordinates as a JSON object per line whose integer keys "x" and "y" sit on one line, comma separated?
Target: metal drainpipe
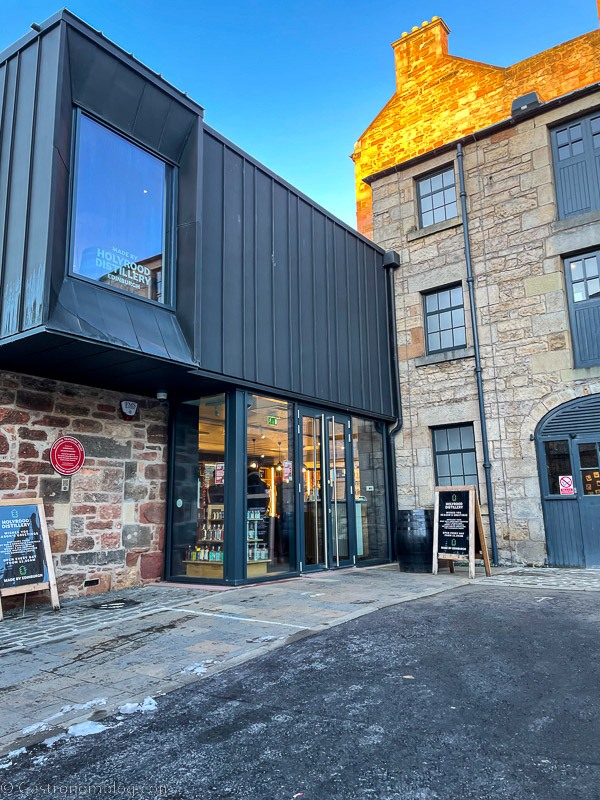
{"x": 391, "y": 262}
{"x": 482, "y": 418}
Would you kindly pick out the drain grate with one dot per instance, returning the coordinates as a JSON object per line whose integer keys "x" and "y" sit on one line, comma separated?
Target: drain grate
{"x": 111, "y": 605}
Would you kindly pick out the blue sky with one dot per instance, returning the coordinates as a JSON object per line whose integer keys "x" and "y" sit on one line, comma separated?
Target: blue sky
{"x": 295, "y": 82}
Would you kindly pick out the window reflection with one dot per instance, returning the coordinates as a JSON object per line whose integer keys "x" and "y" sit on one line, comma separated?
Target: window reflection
{"x": 558, "y": 461}
{"x": 270, "y": 487}
{"x": 199, "y": 514}
{"x": 119, "y": 219}
{"x": 369, "y": 491}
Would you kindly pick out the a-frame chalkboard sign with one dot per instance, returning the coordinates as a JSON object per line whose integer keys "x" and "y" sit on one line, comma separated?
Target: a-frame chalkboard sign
{"x": 458, "y": 528}
{"x": 25, "y": 557}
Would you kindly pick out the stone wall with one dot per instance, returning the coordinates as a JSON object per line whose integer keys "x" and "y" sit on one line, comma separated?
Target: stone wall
{"x": 107, "y": 523}
{"x": 517, "y": 248}
{"x": 440, "y": 98}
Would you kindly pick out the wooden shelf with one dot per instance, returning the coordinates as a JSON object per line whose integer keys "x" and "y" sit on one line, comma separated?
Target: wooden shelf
{"x": 256, "y": 568}
{"x": 204, "y": 569}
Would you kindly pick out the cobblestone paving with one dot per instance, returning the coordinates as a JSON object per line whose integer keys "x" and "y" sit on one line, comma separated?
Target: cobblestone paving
{"x": 572, "y": 580}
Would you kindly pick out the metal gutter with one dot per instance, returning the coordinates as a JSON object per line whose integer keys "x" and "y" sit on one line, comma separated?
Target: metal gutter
{"x": 391, "y": 262}
{"x": 482, "y": 416}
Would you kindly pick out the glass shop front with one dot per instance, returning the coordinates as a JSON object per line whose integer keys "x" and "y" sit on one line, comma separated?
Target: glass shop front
{"x": 263, "y": 488}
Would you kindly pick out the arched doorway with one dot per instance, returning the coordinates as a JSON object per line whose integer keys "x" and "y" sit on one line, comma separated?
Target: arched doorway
{"x": 568, "y": 451}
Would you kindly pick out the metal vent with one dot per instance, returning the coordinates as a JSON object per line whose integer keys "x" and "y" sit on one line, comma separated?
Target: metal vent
{"x": 579, "y": 417}
{"x": 525, "y": 103}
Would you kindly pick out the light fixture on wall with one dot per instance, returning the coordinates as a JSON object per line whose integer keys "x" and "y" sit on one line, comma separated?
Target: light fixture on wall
{"x": 279, "y": 465}
{"x": 254, "y": 463}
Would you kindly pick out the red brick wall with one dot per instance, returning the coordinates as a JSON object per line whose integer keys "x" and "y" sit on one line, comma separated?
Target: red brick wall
{"x": 109, "y": 525}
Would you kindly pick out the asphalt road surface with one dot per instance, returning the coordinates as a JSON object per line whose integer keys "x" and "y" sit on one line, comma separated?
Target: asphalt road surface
{"x": 474, "y": 693}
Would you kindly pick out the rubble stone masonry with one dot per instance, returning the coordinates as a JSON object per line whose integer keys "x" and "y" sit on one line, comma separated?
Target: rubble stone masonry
{"x": 107, "y": 528}
{"x": 527, "y": 357}
{"x": 440, "y": 98}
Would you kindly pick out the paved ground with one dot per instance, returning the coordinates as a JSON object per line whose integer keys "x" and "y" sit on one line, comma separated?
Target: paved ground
{"x": 481, "y": 692}
{"x": 60, "y": 668}
{"x": 97, "y": 654}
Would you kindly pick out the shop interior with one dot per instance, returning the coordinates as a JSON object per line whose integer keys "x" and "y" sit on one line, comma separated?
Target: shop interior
{"x": 339, "y": 475}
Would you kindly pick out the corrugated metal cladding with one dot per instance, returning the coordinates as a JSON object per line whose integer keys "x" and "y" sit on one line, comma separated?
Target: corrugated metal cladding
{"x": 579, "y": 417}
{"x": 270, "y": 290}
{"x": 291, "y": 298}
{"x": 27, "y": 100}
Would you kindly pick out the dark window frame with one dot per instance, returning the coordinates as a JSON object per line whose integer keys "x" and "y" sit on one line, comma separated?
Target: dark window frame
{"x": 169, "y": 218}
{"x": 430, "y": 192}
{"x": 583, "y": 313}
{"x": 576, "y": 163}
{"x": 453, "y": 451}
{"x": 437, "y": 313}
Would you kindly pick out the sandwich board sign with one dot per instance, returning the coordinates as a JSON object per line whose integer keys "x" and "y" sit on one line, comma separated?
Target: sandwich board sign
{"x": 458, "y": 528}
{"x": 25, "y": 557}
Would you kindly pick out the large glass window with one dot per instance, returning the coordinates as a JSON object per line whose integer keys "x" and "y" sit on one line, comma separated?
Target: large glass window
{"x": 199, "y": 510}
{"x": 454, "y": 456}
{"x": 369, "y": 491}
{"x": 121, "y": 211}
{"x": 436, "y": 197}
{"x": 445, "y": 319}
{"x": 270, "y": 520}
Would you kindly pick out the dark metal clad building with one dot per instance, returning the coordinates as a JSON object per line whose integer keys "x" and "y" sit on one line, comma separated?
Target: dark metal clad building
{"x": 143, "y": 255}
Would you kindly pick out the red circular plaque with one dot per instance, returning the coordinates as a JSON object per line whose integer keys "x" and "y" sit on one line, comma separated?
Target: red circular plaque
{"x": 67, "y": 455}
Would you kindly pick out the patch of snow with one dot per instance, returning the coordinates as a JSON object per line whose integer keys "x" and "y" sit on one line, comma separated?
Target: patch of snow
{"x": 44, "y": 725}
{"x": 149, "y": 704}
{"x": 199, "y": 668}
{"x": 10, "y": 756}
{"x": 86, "y": 729}
{"x": 54, "y": 739}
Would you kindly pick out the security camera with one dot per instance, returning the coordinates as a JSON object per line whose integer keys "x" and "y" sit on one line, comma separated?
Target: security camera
{"x": 161, "y": 395}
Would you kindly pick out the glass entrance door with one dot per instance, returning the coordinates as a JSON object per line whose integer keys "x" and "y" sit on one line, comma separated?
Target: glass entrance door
{"x": 337, "y": 490}
{"x": 326, "y": 490}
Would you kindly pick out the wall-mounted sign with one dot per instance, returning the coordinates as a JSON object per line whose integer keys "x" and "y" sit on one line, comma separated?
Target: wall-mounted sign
{"x": 25, "y": 557}
{"x": 287, "y": 471}
{"x": 128, "y": 408}
{"x": 67, "y": 455}
{"x": 272, "y": 421}
{"x": 220, "y": 472}
{"x": 458, "y": 528}
{"x": 565, "y": 483}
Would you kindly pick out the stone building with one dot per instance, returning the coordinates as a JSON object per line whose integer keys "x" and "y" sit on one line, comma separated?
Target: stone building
{"x": 527, "y": 141}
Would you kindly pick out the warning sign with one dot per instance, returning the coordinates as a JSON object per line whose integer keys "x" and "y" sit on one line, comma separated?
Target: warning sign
{"x": 566, "y": 484}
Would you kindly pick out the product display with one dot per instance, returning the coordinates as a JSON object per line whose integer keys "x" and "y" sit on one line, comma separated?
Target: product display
{"x": 205, "y": 558}
{"x": 258, "y": 551}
